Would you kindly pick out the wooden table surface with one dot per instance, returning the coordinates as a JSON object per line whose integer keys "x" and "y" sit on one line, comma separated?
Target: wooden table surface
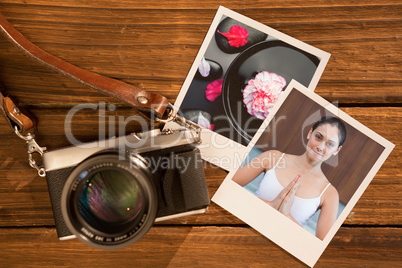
{"x": 152, "y": 44}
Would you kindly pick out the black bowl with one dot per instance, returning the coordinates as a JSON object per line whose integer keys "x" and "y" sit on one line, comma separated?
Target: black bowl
{"x": 272, "y": 56}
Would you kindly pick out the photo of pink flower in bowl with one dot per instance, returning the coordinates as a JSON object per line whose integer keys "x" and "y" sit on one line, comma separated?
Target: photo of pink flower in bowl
{"x": 262, "y": 92}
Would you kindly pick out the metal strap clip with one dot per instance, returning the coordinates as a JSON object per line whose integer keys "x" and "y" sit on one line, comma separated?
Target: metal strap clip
{"x": 184, "y": 122}
{"x": 32, "y": 148}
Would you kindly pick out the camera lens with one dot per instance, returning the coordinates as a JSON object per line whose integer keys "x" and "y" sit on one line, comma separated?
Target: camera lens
{"x": 109, "y": 199}
{"x": 109, "y": 203}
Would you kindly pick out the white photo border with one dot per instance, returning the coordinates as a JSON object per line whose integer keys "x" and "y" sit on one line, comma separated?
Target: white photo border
{"x": 271, "y": 223}
{"x": 212, "y": 141}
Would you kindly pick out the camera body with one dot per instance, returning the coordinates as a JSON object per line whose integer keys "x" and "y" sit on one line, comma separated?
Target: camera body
{"x": 109, "y": 193}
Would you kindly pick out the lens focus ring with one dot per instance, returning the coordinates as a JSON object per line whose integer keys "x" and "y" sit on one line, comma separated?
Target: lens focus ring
{"x": 109, "y": 203}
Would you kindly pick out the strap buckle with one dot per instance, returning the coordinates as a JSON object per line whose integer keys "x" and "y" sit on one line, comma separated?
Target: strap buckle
{"x": 32, "y": 148}
{"x": 182, "y": 121}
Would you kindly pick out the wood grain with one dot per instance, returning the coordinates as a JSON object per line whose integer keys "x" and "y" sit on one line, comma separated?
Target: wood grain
{"x": 152, "y": 45}
{"x": 198, "y": 247}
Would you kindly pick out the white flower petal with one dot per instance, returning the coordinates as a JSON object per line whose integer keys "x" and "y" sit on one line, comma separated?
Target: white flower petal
{"x": 204, "y": 68}
{"x": 203, "y": 121}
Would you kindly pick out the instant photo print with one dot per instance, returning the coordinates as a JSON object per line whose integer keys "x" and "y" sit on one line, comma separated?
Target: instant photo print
{"x": 349, "y": 170}
{"x": 241, "y": 70}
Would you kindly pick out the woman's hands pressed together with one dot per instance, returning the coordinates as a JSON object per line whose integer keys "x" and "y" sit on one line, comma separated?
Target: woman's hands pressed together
{"x": 283, "y": 202}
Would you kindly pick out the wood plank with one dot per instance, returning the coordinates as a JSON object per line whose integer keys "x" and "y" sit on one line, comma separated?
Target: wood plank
{"x": 42, "y": 249}
{"x": 131, "y": 34}
{"x": 24, "y": 198}
{"x": 352, "y": 60}
{"x": 360, "y": 92}
{"x": 197, "y": 247}
{"x": 90, "y": 17}
{"x": 248, "y": 248}
{"x": 188, "y": 4}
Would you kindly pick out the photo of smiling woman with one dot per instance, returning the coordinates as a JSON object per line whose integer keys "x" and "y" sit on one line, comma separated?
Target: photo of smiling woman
{"x": 307, "y": 164}
{"x": 295, "y": 184}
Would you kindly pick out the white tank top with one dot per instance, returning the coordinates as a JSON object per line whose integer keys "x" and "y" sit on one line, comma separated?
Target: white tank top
{"x": 302, "y": 208}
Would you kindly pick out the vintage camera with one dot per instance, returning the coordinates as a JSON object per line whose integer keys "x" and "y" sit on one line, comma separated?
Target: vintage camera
{"x": 109, "y": 193}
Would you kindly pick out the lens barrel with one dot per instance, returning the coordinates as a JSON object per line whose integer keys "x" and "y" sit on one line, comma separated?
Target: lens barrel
{"x": 109, "y": 203}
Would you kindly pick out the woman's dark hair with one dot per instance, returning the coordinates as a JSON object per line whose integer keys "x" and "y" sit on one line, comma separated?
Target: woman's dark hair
{"x": 333, "y": 121}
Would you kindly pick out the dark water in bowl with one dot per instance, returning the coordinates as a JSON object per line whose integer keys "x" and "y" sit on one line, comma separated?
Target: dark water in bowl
{"x": 272, "y": 56}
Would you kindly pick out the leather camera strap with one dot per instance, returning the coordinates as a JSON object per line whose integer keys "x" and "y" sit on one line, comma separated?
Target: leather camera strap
{"x": 140, "y": 99}
{"x": 15, "y": 115}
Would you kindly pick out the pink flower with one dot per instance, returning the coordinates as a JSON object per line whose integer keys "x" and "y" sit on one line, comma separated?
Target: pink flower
{"x": 262, "y": 92}
{"x": 214, "y": 89}
{"x": 237, "y": 36}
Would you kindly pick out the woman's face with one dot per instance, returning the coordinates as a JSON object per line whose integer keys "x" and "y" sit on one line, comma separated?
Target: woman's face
{"x": 323, "y": 142}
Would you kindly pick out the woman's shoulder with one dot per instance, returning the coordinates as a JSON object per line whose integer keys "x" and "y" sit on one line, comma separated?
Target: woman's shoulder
{"x": 330, "y": 194}
{"x": 270, "y": 158}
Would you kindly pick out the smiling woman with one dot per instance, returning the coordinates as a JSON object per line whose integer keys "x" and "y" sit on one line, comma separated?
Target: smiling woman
{"x": 326, "y": 138}
{"x": 295, "y": 185}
